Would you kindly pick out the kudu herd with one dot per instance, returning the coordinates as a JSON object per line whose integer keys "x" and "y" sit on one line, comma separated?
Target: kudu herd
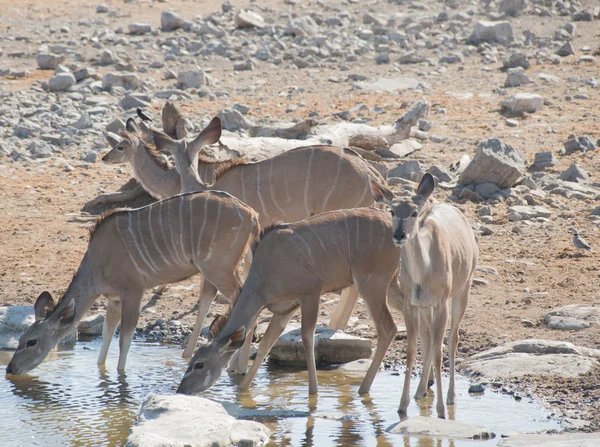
{"x": 208, "y": 221}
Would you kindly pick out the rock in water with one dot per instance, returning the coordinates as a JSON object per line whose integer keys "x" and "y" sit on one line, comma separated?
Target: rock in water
{"x": 494, "y": 162}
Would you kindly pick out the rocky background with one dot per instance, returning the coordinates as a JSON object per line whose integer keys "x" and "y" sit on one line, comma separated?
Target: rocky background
{"x": 510, "y": 126}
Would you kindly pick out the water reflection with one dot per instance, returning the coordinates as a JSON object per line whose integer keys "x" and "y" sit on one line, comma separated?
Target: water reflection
{"x": 69, "y": 400}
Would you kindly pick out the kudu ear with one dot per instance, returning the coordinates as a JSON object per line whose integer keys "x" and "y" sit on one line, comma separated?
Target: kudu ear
{"x": 123, "y": 134}
{"x": 131, "y": 126}
{"x": 146, "y": 133}
{"x": 380, "y": 193}
{"x": 426, "y": 187}
{"x": 43, "y": 306}
{"x": 210, "y": 135}
{"x": 236, "y": 340}
{"x": 112, "y": 139}
{"x": 68, "y": 314}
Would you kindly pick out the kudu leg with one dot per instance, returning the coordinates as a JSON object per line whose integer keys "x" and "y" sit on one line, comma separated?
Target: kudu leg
{"x": 440, "y": 319}
{"x": 459, "y": 306}
{"x": 341, "y": 314}
{"x": 276, "y": 327}
{"x": 130, "y": 314}
{"x": 376, "y": 302}
{"x": 111, "y": 321}
{"x": 310, "y": 310}
{"x": 425, "y": 338}
{"x": 411, "y": 320}
{"x": 207, "y": 295}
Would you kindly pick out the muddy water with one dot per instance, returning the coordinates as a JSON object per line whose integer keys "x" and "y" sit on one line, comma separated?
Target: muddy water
{"x": 69, "y": 401}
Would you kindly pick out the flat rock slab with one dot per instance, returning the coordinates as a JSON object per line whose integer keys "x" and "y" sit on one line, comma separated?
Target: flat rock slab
{"x": 572, "y": 317}
{"x": 391, "y": 84}
{"x": 558, "y": 440}
{"x": 538, "y": 357}
{"x": 331, "y": 347}
{"x": 439, "y": 428}
{"x": 178, "y": 420}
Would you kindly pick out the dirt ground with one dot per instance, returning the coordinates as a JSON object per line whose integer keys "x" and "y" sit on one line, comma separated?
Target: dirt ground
{"x": 43, "y": 232}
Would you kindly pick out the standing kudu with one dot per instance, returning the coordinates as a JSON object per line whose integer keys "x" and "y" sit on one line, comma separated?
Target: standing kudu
{"x": 439, "y": 255}
{"x": 133, "y": 250}
{"x": 288, "y": 187}
{"x": 292, "y": 266}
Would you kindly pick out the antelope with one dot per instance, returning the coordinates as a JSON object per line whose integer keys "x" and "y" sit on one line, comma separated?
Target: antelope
{"x": 293, "y": 264}
{"x": 288, "y": 187}
{"x": 438, "y": 259}
{"x": 132, "y": 250}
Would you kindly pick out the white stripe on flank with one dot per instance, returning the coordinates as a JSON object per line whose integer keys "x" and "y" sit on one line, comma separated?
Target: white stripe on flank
{"x": 357, "y": 235}
{"x": 360, "y": 201}
{"x": 181, "y": 228}
{"x": 140, "y": 271}
{"x": 160, "y": 252}
{"x": 143, "y": 243}
{"x": 215, "y": 229}
{"x": 335, "y": 180}
{"x": 319, "y": 239}
{"x": 134, "y": 239}
{"x": 312, "y": 151}
{"x": 239, "y": 228}
{"x": 162, "y": 231}
{"x": 308, "y": 252}
{"x": 202, "y": 228}
{"x": 262, "y": 203}
{"x": 191, "y": 233}
{"x": 173, "y": 234}
{"x": 281, "y": 212}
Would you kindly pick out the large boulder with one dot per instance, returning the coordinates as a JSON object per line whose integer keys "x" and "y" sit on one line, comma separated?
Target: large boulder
{"x": 500, "y": 31}
{"x": 439, "y": 428}
{"x": 178, "y": 420}
{"x": 331, "y": 347}
{"x": 536, "y": 357}
{"x": 572, "y": 317}
{"x": 14, "y": 320}
{"x": 494, "y": 162}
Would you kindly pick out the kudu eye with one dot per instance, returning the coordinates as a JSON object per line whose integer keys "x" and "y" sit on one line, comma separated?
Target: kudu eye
{"x": 414, "y": 214}
{"x": 392, "y": 213}
{"x": 199, "y": 365}
{"x": 30, "y": 343}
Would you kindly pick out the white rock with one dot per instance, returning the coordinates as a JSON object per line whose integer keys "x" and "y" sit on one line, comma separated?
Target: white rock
{"x": 513, "y": 7}
{"x": 516, "y": 77}
{"x": 554, "y": 440}
{"x": 170, "y": 21}
{"x": 124, "y": 79}
{"x": 523, "y": 102}
{"x": 522, "y": 212}
{"x": 178, "y": 420}
{"x": 49, "y": 61}
{"x": 61, "y": 82}
{"x": 572, "y": 317}
{"x": 439, "y": 428}
{"x": 139, "y": 28}
{"x": 331, "y": 347}
{"x": 249, "y": 19}
{"x": 91, "y": 325}
{"x": 301, "y": 27}
{"x": 193, "y": 78}
{"x": 391, "y": 84}
{"x": 500, "y": 31}
{"x": 539, "y": 357}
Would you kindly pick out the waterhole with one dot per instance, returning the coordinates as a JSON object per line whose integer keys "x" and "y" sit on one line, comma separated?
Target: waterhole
{"x": 69, "y": 401}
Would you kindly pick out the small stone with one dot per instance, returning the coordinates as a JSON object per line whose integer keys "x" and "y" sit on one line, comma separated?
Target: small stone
{"x": 193, "y": 79}
{"x": 544, "y": 160}
{"x": 574, "y": 174}
{"x": 512, "y": 7}
{"x": 244, "y": 66}
{"x": 242, "y": 108}
{"x": 512, "y": 123}
{"x": 527, "y": 323}
{"x": 61, "y": 82}
{"x": 125, "y": 80}
{"x": 516, "y": 59}
{"x": 516, "y": 77}
{"x": 383, "y": 58}
{"x": 410, "y": 170}
{"x": 425, "y": 125}
{"x": 170, "y": 21}
{"x": 566, "y": 50}
{"x": 139, "y": 28}
{"x": 107, "y": 58}
{"x": 49, "y": 61}
{"x": 523, "y": 102}
{"x": 500, "y": 31}
{"x": 579, "y": 144}
{"x": 91, "y": 325}
{"x": 476, "y": 388}
{"x": 102, "y": 9}
{"x": 83, "y": 122}
{"x": 249, "y": 19}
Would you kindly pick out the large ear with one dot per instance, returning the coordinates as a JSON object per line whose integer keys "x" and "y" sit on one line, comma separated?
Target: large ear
{"x": 380, "y": 193}
{"x": 125, "y": 135}
{"x": 170, "y": 117}
{"x": 216, "y": 326}
{"x": 426, "y": 187}
{"x": 43, "y": 306}
{"x": 112, "y": 139}
{"x": 146, "y": 133}
{"x": 237, "y": 339}
{"x": 131, "y": 126}
{"x": 210, "y": 135}
{"x": 163, "y": 141}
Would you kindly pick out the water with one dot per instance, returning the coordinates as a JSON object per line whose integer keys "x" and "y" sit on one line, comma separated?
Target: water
{"x": 69, "y": 401}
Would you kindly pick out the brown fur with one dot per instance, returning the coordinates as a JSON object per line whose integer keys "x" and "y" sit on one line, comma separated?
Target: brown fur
{"x": 274, "y": 226}
{"x": 217, "y": 325}
{"x": 104, "y": 216}
{"x": 227, "y": 165}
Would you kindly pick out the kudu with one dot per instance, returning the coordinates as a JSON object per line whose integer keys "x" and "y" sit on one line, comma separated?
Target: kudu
{"x": 438, "y": 259}
{"x": 288, "y": 187}
{"x": 292, "y": 266}
{"x": 132, "y": 250}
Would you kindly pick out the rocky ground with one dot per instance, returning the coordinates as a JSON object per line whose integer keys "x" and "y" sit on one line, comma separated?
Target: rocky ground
{"x": 69, "y": 69}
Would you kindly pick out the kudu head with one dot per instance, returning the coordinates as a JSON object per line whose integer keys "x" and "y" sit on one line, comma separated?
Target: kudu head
{"x": 210, "y": 360}
{"x": 37, "y": 341}
{"x": 406, "y": 212}
{"x": 124, "y": 149}
{"x": 185, "y": 152}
